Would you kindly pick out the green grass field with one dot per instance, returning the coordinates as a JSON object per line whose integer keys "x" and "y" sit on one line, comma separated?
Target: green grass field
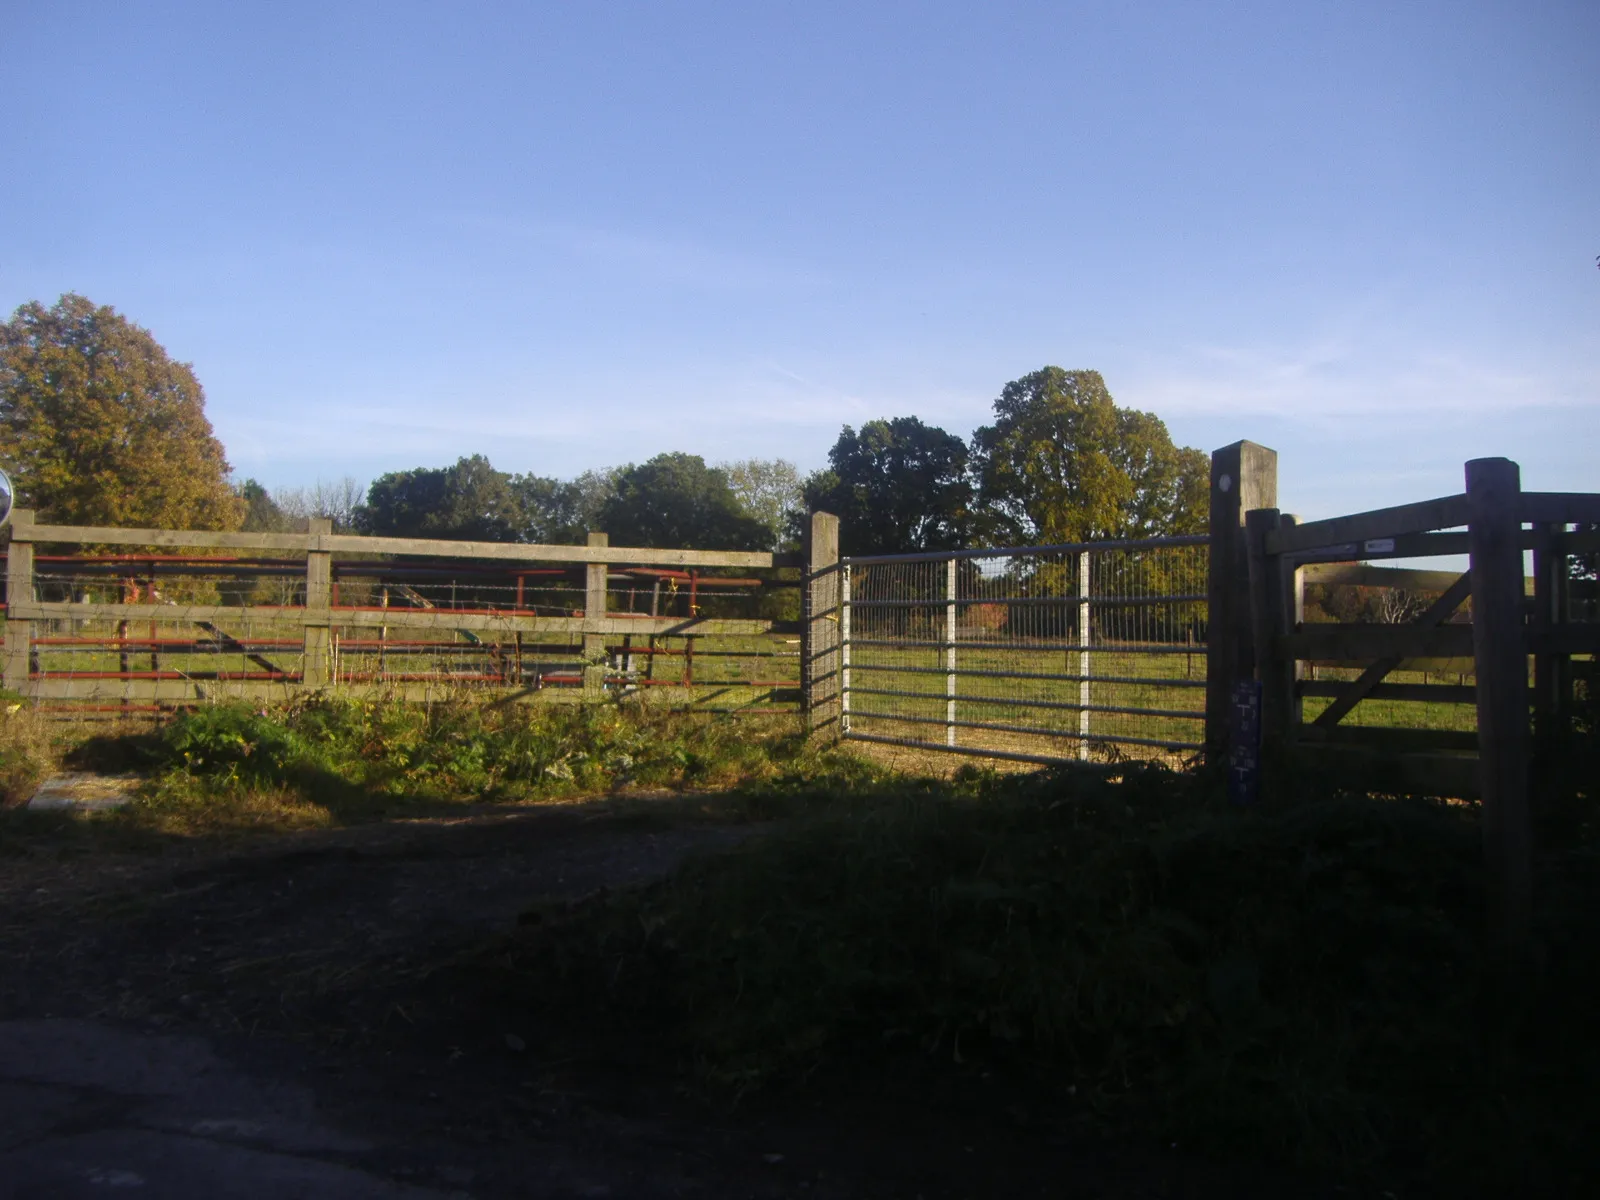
{"x": 995, "y": 686}
{"x": 718, "y": 671}
{"x": 1001, "y": 686}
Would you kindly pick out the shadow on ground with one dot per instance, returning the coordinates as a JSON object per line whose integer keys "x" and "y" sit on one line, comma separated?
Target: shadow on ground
{"x": 262, "y": 1019}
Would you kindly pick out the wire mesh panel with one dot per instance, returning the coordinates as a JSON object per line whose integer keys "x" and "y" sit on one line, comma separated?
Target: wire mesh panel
{"x": 1046, "y": 653}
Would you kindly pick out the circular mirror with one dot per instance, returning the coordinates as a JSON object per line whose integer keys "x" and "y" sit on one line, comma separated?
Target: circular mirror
{"x": 5, "y": 497}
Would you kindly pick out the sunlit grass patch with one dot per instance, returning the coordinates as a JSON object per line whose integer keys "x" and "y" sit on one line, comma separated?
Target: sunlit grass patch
{"x": 230, "y": 769}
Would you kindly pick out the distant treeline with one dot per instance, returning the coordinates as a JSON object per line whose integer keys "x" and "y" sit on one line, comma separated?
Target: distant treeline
{"x": 98, "y": 425}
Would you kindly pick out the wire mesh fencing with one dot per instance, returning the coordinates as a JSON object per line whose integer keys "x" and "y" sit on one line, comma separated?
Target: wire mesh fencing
{"x": 1044, "y": 653}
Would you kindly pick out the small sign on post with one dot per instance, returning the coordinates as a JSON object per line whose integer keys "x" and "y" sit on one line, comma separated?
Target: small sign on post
{"x": 1244, "y": 742}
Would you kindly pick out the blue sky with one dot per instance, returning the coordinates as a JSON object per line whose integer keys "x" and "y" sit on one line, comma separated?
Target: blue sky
{"x": 568, "y": 236}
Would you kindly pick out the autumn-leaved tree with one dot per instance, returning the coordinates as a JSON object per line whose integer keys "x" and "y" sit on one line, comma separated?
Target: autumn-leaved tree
{"x": 98, "y": 426}
{"x": 1063, "y": 463}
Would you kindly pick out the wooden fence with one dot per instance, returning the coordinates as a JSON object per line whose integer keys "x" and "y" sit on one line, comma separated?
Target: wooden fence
{"x": 1492, "y": 615}
{"x": 604, "y": 640}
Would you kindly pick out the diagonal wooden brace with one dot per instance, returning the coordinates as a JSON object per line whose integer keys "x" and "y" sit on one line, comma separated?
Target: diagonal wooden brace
{"x": 228, "y": 642}
{"x": 1437, "y": 614}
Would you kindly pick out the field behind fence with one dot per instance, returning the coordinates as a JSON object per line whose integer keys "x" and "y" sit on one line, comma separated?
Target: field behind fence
{"x": 1035, "y": 653}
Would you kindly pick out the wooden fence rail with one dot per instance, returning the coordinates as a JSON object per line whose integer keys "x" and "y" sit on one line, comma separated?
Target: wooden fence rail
{"x": 313, "y": 623}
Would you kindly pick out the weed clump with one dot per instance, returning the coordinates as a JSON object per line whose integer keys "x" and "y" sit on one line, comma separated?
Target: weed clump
{"x": 461, "y": 748}
{"x": 27, "y": 751}
{"x": 332, "y": 760}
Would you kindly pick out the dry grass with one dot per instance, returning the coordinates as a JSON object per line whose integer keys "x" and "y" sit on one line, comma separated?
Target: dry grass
{"x": 30, "y": 749}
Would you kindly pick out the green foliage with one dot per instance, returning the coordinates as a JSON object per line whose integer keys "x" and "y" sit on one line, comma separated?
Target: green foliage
{"x": 98, "y": 426}
{"x": 1062, "y": 463}
{"x": 262, "y": 513}
{"x": 769, "y": 491}
{"x": 557, "y": 512}
{"x": 1306, "y": 984}
{"x": 470, "y": 501}
{"x": 898, "y": 486}
{"x": 360, "y": 755}
{"x": 676, "y": 500}
{"x": 1587, "y": 564}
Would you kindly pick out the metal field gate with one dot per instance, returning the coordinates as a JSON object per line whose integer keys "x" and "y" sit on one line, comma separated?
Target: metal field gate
{"x": 1093, "y": 651}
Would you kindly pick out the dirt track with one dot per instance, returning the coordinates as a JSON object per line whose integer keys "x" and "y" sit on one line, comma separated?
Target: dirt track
{"x": 295, "y": 969}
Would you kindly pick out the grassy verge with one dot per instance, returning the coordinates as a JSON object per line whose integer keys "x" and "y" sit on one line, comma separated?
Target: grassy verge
{"x": 1306, "y": 983}
{"x": 331, "y": 761}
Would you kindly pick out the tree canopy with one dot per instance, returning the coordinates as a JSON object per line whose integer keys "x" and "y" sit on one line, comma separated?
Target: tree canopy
{"x": 559, "y": 512}
{"x": 676, "y": 500}
{"x": 470, "y": 501}
{"x": 897, "y": 487}
{"x": 769, "y": 490}
{"x": 98, "y": 426}
{"x": 262, "y": 513}
{"x": 1063, "y": 463}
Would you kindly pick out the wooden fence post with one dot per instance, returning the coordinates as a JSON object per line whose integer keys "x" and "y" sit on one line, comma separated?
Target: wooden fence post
{"x": 820, "y": 635}
{"x": 594, "y": 612}
{"x": 318, "y": 636}
{"x": 1271, "y": 616}
{"x": 1494, "y": 527}
{"x": 1552, "y": 673}
{"x": 19, "y": 591}
{"x": 1243, "y": 476}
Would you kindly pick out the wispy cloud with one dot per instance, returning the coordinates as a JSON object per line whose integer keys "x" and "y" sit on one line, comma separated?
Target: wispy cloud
{"x": 1332, "y": 379}
{"x": 661, "y": 258}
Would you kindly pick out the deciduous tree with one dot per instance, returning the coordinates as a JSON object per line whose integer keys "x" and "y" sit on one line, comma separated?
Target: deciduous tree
{"x": 769, "y": 490}
{"x": 675, "y": 500}
{"x": 562, "y": 511}
{"x": 470, "y": 501}
{"x": 1063, "y": 463}
{"x": 99, "y": 426}
{"x": 897, "y": 486}
{"x": 262, "y": 513}
{"x": 340, "y": 501}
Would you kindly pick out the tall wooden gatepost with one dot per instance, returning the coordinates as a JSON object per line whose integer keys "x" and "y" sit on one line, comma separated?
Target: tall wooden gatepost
{"x": 1500, "y": 653}
{"x": 1244, "y": 476}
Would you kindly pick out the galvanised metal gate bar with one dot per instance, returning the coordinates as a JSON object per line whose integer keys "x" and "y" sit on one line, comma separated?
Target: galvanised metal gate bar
{"x": 1033, "y": 653}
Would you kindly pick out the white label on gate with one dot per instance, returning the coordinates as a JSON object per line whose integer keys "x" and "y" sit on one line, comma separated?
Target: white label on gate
{"x": 1380, "y": 546}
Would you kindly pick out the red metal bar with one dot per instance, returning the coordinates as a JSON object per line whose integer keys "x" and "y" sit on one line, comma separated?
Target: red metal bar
{"x": 203, "y": 676}
{"x": 121, "y": 643}
{"x": 415, "y": 677}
